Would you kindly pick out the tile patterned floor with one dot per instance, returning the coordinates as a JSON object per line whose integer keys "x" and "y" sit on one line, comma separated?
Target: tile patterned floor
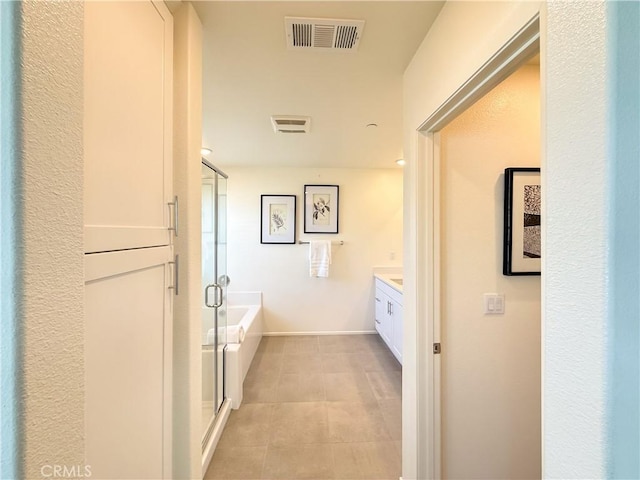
{"x": 315, "y": 408}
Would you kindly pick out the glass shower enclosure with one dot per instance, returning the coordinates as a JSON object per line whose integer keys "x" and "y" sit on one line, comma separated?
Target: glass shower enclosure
{"x": 214, "y": 294}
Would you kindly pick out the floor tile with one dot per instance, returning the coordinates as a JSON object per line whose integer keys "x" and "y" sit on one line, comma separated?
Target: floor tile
{"x": 260, "y": 387}
{"x": 339, "y": 344}
{"x": 356, "y": 422}
{"x": 350, "y": 387}
{"x": 248, "y": 426}
{"x": 341, "y": 363}
{"x": 300, "y": 387}
{"x": 316, "y": 407}
{"x": 391, "y": 409}
{"x": 376, "y": 362}
{"x": 271, "y": 345}
{"x": 237, "y": 463}
{"x": 297, "y": 462}
{"x": 302, "y": 363}
{"x": 266, "y": 363}
{"x": 385, "y": 383}
{"x": 299, "y": 423}
{"x": 366, "y": 461}
{"x": 301, "y": 344}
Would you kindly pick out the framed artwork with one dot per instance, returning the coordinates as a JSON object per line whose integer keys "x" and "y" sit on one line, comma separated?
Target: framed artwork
{"x": 321, "y": 205}
{"x": 278, "y": 219}
{"x": 522, "y": 239}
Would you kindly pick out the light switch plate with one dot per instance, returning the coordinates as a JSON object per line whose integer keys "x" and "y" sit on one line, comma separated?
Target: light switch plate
{"x": 493, "y": 304}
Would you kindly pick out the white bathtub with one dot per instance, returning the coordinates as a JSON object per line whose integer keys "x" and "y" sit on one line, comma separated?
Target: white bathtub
{"x": 239, "y": 356}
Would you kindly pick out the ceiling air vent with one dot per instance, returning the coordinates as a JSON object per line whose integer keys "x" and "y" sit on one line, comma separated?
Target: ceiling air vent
{"x": 290, "y": 124}
{"x": 323, "y": 34}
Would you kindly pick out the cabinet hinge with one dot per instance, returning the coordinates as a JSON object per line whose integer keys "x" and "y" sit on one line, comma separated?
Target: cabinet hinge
{"x": 436, "y": 348}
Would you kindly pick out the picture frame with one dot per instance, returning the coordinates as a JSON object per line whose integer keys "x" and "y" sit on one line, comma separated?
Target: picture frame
{"x": 278, "y": 219}
{"x": 522, "y": 215}
{"x": 321, "y": 208}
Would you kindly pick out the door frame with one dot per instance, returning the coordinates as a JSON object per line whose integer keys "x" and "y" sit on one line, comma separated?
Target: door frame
{"x": 428, "y": 319}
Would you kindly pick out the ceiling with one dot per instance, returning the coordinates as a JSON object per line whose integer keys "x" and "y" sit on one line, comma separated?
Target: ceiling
{"x": 249, "y": 75}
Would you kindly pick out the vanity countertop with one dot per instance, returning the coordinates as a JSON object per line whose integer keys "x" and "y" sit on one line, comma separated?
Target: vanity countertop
{"x": 394, "y": 280}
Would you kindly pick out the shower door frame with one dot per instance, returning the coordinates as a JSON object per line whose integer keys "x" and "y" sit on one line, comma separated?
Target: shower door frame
{"x": 217, "y": 408}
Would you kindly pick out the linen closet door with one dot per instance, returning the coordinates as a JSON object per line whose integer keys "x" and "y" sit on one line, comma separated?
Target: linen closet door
{"x": 129, "y": 215}
{"x": 127, "y": 126}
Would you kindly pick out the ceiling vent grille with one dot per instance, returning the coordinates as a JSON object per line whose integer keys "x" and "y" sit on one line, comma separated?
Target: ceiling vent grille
{"x": 323, "y": 34}
{"x": 290, "y": 124}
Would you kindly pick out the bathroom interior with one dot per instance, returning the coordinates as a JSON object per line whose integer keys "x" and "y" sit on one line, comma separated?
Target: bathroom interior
{"x": 306, "y": 318}
{"x": 280, "y": 372}
{"x": 304, "y": 321}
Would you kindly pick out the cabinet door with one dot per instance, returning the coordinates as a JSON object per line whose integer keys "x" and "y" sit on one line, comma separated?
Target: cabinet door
{"x": 380, "y": 311}
{"x": 397, "y": 330}
{"x": 128, "y": 364}
{"x": 128, "y": 75}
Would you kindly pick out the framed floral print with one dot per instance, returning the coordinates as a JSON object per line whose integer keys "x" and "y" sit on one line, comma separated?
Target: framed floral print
{"x": 321, "y": 204}
{"x": 278, "y": 219}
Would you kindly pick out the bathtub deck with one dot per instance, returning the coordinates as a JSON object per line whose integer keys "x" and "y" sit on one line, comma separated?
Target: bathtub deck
{"x": 320, "y": 407}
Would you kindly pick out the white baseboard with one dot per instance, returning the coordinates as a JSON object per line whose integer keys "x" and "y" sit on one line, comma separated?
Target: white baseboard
{"x": 290, "y": 334}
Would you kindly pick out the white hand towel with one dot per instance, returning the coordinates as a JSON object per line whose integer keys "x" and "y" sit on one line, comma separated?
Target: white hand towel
{"x": 235, "y": 334}
{"x": 319, "y": 258}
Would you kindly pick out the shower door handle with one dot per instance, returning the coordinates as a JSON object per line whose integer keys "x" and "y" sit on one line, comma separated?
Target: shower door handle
{"x": 206, "y": 295}
{"x": 217, "y": 296}
{"x": 218, "y": 303}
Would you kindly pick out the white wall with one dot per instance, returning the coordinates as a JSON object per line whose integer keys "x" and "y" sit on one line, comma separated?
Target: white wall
{"x": 576, "y": 238}
{"x": 370, "y": 223}
{"x": 490, "y": 363}
{"x": 463, "y": 37}
{"x": 52, "y": 233}
{"x": 574, "y": 59}
{"x": 187, "y": 122}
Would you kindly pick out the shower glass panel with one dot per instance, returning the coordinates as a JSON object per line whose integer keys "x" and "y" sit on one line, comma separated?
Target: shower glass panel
{"x": 214, "y": 294}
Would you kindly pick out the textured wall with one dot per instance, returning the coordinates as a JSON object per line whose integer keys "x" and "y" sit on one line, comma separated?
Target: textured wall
{"x": 52, "y": 234}
{"x": 490, "y": 363}
{"x": 575, "y": 239}
{"x": 187, "y": 312}
{"x": 370, "y": 224}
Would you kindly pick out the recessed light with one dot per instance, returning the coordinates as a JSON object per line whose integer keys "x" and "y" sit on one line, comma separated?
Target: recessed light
{"x": 401, "y": 162}
{"x": 205, "y": 151}
{"x": 372, "y": 125}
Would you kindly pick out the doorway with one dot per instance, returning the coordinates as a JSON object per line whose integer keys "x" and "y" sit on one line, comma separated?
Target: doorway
{"x": 421, "y": 423}
{"x": 490, "y": 362}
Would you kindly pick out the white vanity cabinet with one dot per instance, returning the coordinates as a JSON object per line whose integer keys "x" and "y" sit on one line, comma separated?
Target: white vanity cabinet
{"x": 389, "y": 315}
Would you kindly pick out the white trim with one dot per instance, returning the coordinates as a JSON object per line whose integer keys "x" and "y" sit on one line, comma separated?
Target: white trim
{"x": 218, "y": 428}
{"x": 293, "y": 334}
{"x": 428, "y": 369}
{"x": 522, "y": 46}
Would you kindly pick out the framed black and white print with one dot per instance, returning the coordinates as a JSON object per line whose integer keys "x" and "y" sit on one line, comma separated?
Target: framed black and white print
{"x": 278, "y": 219}
{"x": 321, "y": 204}
{"x": 522, "y": 238}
